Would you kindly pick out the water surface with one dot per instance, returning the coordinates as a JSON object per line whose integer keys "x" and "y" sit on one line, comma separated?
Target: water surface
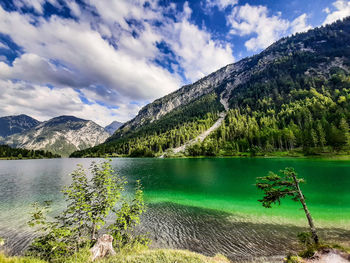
{"x": 205, "y": 205}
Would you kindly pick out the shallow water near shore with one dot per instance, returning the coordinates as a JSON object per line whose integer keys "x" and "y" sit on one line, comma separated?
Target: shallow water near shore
{"x": 205, "y": 205}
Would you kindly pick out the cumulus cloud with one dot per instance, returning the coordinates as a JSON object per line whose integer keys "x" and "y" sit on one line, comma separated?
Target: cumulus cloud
{"x": 42, "y": 103}
{"x": 300, "y": 24}
{"x": 109, "y": 57}
{"x": 341, "y": 9}
{"x": 221, "y": 4}
{"x": 41, "y": 71}
{"x": 248, "y": 19}
{"x": 87, "y": 54}
{"x": 3, "y": 45}
{"x": 37, "y": 5}
{"x": 196, "y": 51}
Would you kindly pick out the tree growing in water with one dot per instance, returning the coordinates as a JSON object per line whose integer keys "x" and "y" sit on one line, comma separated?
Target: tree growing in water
{"x": 284, "y": 184}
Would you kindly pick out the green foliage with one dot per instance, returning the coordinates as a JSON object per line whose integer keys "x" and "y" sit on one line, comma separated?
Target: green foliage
{"x": 293, "y": 259}
{"x": 303, "y": 113}
{"x": 305, "y": 238}
{"x": 171, "y": 130}
{"x": 89, "y": 202}
{"x": 5, "y": 259}
{"x": 105, "y": 191}
{"x": 18, "y": 153}
{"x": 127, "y": 217}
{"x": 278, "y": 186}
{"x": 285, "y": 184}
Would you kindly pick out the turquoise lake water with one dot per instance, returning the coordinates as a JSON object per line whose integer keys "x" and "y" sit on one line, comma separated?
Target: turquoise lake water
{"x": 205, "y": 205}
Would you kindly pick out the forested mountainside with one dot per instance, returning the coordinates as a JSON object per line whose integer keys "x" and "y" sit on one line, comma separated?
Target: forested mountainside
{"x": 6, "y": 152}
{"x": 60, "y": 135}
{"x": 293, "y": 95}
{"x": 15, "y": 124}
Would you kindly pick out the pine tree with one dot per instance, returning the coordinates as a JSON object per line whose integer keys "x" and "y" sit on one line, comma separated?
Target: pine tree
{"x": 284, "y": 184}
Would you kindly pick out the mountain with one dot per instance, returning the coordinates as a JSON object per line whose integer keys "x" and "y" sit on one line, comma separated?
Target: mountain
{"x": 111, "y": 128}
{"x": 294, "y": 95}
{"x": 16, "y": 124}
{"x": 61, "y": 135}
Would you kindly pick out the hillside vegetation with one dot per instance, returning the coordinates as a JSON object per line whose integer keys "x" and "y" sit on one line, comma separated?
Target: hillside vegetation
{"x": 6, "y": 152}
{"x": 292, "y": 97}
{"x": 172, "y": 130}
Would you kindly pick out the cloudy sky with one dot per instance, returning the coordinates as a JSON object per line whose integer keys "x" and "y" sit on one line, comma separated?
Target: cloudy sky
{"x": 105, "y": 59}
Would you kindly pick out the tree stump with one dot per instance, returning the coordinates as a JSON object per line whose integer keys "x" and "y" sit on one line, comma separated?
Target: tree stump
{"x": 103, "y": 247}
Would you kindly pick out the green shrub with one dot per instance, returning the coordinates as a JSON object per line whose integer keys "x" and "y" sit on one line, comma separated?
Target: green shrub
{"x": 89, "y": 202}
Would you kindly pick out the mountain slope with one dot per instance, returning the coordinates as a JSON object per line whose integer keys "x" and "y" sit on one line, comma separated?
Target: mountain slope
{"x": 112, "y": 127}
{"x": 61, "y": 135}
{"x": 16, "y": 124}
{"x": 286, "y": 97}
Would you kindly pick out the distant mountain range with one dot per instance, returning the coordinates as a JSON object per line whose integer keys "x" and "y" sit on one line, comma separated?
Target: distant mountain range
{"x": 293, "y": 95}
{"x": 15, "y": 124}
{"x": 111, "y": 128}
{"x": 60, "y": 135}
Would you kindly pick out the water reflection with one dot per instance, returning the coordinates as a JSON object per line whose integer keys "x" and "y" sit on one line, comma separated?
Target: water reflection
{"x": 184, "y": 198}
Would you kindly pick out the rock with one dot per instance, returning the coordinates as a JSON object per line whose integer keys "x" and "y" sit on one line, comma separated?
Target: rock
{"x": 103, "y": 247}
{"x": 328, "y": 255}
{"x": 60, "y": 135}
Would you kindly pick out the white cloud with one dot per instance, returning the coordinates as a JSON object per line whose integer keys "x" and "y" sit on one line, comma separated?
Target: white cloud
{"x": 86, "y": 53}
{"x": 41, "y": 71}
{"x": 42, "y": 103}
{"x": 74, "y": 7}
{"x": 326, "y": 10}
{"x": 221, "y": 4}
{"x": 248, "y": 19}
{"x": 3, "y": 45}
{"x": 37, "y": 5}
{"x": 299, "y": 24}
{"x": 197, "y": 52}
{"x": 101, "y": 57}
{"x": 341, "y": 10}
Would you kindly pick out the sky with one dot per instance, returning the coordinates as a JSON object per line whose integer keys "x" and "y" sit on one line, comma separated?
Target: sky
{"x": 103, "y": 60}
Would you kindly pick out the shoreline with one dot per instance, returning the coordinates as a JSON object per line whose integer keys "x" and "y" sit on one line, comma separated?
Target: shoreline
{"x": 341, "y": 157}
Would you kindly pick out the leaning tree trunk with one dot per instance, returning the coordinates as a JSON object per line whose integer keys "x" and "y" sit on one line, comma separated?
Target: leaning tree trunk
{"x": 103, "y": 247}
{"x": 307, "y": 213}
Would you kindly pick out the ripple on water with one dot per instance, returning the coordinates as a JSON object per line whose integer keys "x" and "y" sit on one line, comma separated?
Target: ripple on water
{"x": 210, "y": 232}
{"x": 204, "y": 231}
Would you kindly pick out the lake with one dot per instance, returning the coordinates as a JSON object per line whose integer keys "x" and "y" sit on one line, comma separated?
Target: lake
{"x": 205, "y": 205}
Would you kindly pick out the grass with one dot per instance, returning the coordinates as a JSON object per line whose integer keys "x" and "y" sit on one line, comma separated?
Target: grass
{"x": 4, "y": 259}
{"x": 167, "y": 256}
{"x": 135, "y": 256}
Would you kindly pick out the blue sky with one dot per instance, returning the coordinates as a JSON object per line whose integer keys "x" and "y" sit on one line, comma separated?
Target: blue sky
{"x": 105, "y": 59}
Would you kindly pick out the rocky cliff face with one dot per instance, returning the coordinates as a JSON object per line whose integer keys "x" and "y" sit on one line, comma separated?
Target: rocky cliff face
{"x": 181, "y": 97}
{"x": 16, "y": 124}
{"x": 61, "y": 135}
